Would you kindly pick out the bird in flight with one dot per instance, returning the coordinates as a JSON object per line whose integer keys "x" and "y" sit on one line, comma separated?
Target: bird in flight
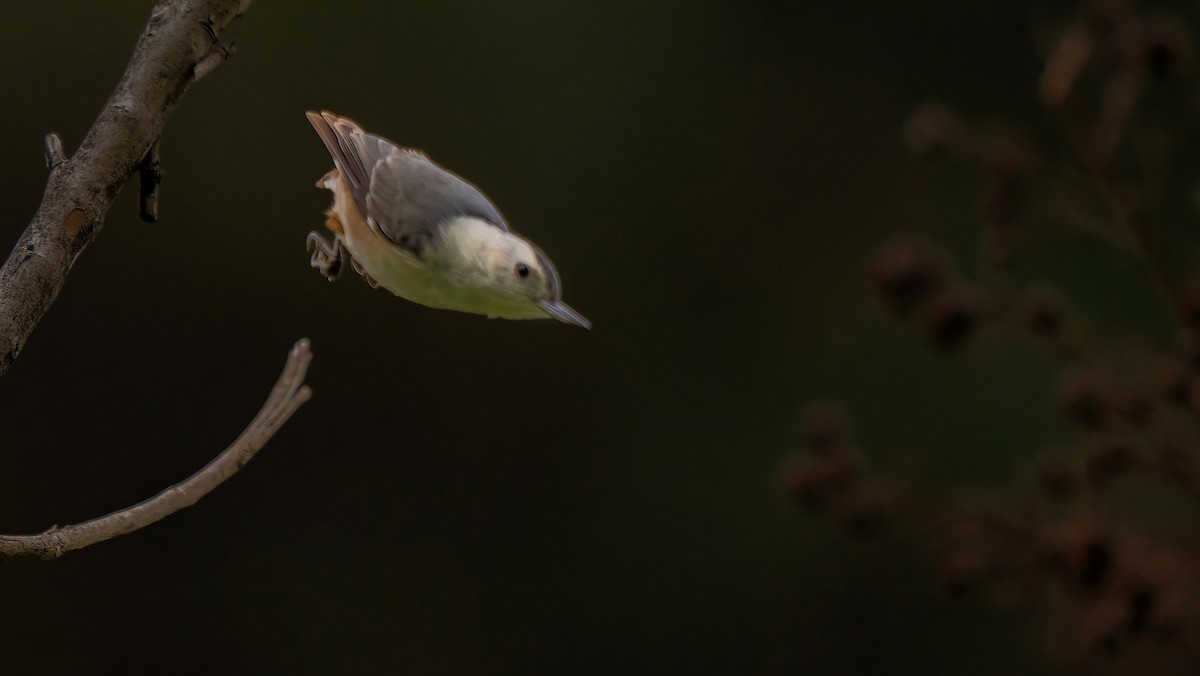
{"x": 418, "y": 230}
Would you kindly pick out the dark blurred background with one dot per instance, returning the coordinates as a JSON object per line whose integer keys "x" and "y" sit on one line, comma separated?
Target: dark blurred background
{"x": 465, "y": 496}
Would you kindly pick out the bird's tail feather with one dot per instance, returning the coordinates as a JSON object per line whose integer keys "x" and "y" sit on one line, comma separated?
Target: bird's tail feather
{"x": 337, "y": 135}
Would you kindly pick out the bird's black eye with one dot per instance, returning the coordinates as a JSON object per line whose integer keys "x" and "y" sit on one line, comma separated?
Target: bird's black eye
{"x": 522, "y": 270}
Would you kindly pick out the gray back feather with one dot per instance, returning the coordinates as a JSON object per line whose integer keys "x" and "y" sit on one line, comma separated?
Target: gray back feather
{"x": 404, "y": 195}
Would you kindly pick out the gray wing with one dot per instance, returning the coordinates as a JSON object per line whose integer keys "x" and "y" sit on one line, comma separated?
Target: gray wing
{"x": 404, "y": 195}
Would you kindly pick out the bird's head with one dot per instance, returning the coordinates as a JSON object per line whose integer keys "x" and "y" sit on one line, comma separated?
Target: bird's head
{"x": 513, "y": 271}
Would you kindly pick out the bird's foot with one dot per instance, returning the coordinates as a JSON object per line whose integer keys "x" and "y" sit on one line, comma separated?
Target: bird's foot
{"x": 326, "y": 257}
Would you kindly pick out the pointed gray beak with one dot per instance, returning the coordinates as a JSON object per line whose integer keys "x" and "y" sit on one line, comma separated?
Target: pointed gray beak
{"x": 564, "y": 313}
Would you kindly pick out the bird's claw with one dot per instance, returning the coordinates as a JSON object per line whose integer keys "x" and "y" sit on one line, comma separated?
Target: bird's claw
{"x": 363, "y": 273}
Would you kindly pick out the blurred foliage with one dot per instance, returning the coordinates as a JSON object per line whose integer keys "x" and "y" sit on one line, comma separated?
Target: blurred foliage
{"x": 1099, "y": 546}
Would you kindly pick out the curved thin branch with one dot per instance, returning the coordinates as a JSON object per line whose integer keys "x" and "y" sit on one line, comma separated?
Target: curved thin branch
{"x": 289, "y": 394}
{"x": 179, "y": 45}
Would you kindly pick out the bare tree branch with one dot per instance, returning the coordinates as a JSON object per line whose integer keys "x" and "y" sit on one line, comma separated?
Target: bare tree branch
{"x": 289, "y": 394}
{"x": 178, "y": 46}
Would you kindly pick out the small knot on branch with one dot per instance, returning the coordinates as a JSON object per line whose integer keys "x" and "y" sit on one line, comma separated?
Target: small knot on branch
{"x": 150, "y": 174}
{"x": 210, "y": 26}
{"x": 54, "y": 151}
{"x": 217, "y": 54}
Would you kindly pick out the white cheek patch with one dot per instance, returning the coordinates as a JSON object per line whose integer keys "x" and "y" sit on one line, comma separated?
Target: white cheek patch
{"x": 472, "y": 236}
{"x": 483, "y": 255}
{"x": 478, "y": 248}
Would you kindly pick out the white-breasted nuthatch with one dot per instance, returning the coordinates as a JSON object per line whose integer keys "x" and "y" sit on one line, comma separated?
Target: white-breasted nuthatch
{"x": 425, "y": 234}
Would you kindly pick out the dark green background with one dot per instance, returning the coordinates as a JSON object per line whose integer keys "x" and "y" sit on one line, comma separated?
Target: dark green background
{"x": 465, "y": 496}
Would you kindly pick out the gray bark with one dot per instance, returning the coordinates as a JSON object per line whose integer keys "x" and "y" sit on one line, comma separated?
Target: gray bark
{"x": 179, "y": 46}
